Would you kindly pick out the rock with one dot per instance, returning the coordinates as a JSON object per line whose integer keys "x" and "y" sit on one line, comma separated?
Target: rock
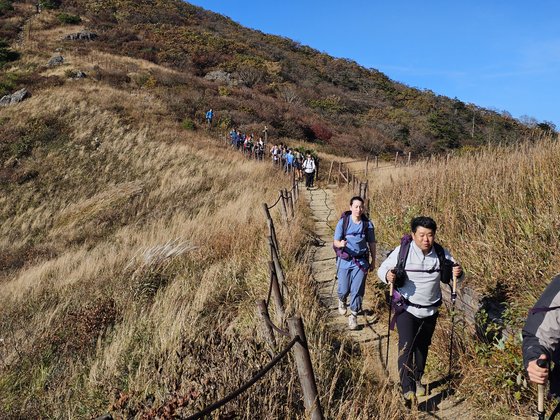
{"x": 221, "y": 76}
{"x": 14, "y": 98}
{"x": 57, "y": 60}
{"x": 79, "y": 75}
{"x": 81, "y": 36}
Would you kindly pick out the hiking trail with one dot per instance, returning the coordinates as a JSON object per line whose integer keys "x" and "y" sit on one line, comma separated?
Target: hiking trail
{"x": 371, "y": 334}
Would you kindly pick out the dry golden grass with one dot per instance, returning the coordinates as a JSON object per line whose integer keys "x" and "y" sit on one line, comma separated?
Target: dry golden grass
{"x": 135, "y": 257}
{"x": 497, "y": 211}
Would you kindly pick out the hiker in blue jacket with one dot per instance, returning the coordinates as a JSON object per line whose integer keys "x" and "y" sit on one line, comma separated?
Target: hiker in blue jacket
{"x": 418, "y": 284}
{"x": 209, "y": 116}
{"x": 354, "y": 239}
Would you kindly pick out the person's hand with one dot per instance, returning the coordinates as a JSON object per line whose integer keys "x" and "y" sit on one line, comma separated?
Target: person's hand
{"x": 457, "y": 270}
{"x": 537, "y": 374}
{"x": 391, "y": 276}
{"x": 343, "y": 243}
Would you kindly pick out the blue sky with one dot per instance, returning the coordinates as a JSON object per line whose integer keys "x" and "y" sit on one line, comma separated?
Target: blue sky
{"x": 502, "y": 55}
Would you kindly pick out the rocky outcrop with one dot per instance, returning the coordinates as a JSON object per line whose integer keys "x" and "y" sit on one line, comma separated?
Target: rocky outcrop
{"x": 57, "y": 60}
{"x": 221, "y": 77}
{"x": 81, "y": 36}
{"x": 14, "y": 98}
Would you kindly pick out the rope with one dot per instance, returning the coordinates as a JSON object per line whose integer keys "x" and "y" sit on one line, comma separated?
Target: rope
{"x": 277, "y": 201}
{"x": 275, "y": 328}
{"x": 247, "y": 385}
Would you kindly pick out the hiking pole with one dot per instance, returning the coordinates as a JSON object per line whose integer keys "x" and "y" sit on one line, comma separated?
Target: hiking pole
{"x": 542, "y": 363}
{"x": 453, "y": 298}
{"x": 389, "y": 324}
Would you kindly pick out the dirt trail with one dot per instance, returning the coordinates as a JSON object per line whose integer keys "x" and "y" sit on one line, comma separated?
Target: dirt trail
{"x": 371, "y": 334}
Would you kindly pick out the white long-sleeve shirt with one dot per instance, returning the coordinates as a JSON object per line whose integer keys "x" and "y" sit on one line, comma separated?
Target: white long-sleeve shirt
{"x": 420, "y": 288}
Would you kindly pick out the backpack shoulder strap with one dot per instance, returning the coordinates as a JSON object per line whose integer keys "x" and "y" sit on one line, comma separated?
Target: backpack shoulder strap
{"x": 403, "y": 251}
{"x": 345, "y": 222}
{"x": 440, "y": 252}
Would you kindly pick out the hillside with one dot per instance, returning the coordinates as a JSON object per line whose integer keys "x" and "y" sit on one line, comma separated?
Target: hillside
{"x": 132, "y": 250}
{"x": 252, "y": 79}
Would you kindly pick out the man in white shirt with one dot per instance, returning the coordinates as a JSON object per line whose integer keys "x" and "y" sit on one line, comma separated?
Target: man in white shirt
{"x": 309, "y": 169}
{"x": 420, "y": 288}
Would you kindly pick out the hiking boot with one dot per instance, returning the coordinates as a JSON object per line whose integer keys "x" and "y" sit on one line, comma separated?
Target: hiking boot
{"x": 341, "y": 307}
{"x": 353, "y": 322}
{"x": 420, "y": 389}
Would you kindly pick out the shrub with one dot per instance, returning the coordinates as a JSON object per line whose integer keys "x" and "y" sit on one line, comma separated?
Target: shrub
{"x": 321, "y": 131}
{"x": 6, "y": 54}
{"x": 68, "y": 19}
{"x": 50, "y": 4}
{"x": 188, "y": 124}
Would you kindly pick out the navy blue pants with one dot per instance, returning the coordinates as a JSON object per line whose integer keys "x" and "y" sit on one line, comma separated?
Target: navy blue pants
{"x": 415, "y": 337}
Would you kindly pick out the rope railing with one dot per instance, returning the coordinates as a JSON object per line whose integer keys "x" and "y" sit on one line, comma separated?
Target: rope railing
{"x": 248, "y": 384}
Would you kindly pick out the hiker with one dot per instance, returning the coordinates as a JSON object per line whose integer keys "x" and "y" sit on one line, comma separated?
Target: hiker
{"x": 289, "y": 161}
{"x": 354, "y": 242}
{"x": 424, "y": 264}
{"x": 541, "y": 337}
{"x": 209, "y": 116}
{"x": 308, "y": 166}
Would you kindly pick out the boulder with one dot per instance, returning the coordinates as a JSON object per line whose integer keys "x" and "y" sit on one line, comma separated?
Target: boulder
{"x": 221, "y": 76}
{"x": 14, "y": 98}
{"x": 57, "y": 60}
{"x": 81, "y": 36}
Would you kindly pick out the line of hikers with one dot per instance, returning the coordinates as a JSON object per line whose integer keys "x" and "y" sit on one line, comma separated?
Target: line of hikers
{"x": 290, "y": 160}
{"x": 415, "y": 271}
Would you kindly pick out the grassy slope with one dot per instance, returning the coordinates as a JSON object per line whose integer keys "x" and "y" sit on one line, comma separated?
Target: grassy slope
{"x": 498, "y": 213}
{"x": 100, "y": 312}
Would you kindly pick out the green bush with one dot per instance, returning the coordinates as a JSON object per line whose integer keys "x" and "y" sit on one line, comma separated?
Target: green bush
{"x": 50, "y": 4}
{"x": 6, "y": 54}
{"x": 68, "y": 19}
{"x": 188, "y": 124}
{"x": 5, "y": 6}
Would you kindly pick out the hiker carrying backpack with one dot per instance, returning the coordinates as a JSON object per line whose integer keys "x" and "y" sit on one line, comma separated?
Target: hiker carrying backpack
{"x": 416, "y": 268}
{"x": 354, "y": 244}
{"x": 541, "y": 341}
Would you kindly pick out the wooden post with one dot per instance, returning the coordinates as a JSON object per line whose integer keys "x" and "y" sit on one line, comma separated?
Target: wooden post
{"x": 366, "y": 195}
{"x": 447, "y": 158}
{"x": 376, "y": 161}
{"x": 277, "y": 265}
{"x": 271, "y": 227}
{"x": 396, "y": 158}
{"x": 290, "y": 201}
{"x": 367, "y": 163}
{"x": 276, "y": 294}
{"x": 305, "y": 369}
{"x": 347, "y": 177}
{"x": 283, "y": 207}
{"x": 408, "y": 161}
{"x": 267, "y": 330}
{"x": 330, "y": 171}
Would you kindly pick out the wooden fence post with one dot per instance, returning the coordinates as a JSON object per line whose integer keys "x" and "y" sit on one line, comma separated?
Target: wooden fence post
{"x": 347, "y": 177}
{"x": 305, "y": 369}
{"x": 330, "y": 172}
{"x": 408, "y": 161}
{"x": 276, "y": 294}
{"x": 267, "y": 330}
{"x": 277, "y": 265}
{"x": 271, "y": 228}
{"x": 367, "y": 163}
{"x": 283, "y": 207}
{"x": 396, "y": 158}
{"x": 290, "y": 202}
{"x": 376, "y": 161}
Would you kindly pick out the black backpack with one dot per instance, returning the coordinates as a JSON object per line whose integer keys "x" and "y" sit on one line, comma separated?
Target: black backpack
{"x": 445, "y": 265}
{"x": 340, "y": 252}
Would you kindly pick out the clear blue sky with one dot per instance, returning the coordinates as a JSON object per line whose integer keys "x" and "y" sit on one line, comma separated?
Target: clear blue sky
{"x": 498, "y": 54}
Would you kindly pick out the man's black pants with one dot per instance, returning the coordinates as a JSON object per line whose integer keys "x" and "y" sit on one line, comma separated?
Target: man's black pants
{"x": 309, "y": 179}
{"x": 415, "y": 337}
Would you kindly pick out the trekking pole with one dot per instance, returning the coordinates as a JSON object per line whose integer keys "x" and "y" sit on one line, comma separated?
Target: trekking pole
{"x": 453, "y": 298}
{"x": 389, "y": 324}
{"x": 542, "y": 363}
